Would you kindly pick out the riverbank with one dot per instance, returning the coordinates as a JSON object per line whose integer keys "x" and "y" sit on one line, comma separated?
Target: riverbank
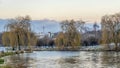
{"x": 3, "y": 54}
{"x": 83, "y": 48}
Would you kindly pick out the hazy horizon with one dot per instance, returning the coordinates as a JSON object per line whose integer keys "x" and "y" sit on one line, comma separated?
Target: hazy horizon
{"x": 88, "y": 10}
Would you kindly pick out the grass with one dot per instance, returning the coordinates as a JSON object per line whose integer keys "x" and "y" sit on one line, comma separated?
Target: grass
{"x": 7, "y": 66}
{"x": 1, "y": 61}
{"x": 2, "y": 54}
{"x": 6, "y": 54}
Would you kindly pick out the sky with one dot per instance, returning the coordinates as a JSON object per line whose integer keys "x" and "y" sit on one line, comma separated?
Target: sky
{"x": 88, "y": 10}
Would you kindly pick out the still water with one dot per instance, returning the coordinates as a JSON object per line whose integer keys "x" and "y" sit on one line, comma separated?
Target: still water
{"x": 65, "y": 59}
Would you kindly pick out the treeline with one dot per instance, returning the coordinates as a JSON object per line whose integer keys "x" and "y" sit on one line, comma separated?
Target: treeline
{"x": 18, "y": 34}
{"x": 109, "y": 35}
{"x": 74, "y": 34}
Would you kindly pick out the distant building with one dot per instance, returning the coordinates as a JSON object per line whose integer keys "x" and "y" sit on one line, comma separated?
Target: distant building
{"x": 40, "y": 35}
{"x": 49, "y": 34}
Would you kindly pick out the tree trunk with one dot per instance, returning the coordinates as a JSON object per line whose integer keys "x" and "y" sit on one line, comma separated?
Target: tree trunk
{"x": 13, "y": 48}
{"x": 116, "y": 46}
{"x": 19, "y": 43}
{"x": 19, "y": 47}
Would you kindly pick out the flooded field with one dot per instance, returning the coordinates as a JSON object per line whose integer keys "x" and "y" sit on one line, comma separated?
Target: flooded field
{"x": 65, "y": 59}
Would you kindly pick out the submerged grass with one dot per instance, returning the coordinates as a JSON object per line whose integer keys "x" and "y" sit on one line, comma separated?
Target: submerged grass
{"x": 3, "y": 54}
{"x": 7, "y": 66}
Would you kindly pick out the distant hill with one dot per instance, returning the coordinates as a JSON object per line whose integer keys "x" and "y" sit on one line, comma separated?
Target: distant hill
{"x": 3, "y": 22}
{"x": 49, "y": 25}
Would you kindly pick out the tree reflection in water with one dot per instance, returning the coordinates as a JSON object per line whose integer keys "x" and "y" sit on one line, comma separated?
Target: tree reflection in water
{"x": 61, "y": 59}
{"x": 111, "y": 59}
{"x": 70, "y": 62}
{"x": 19, "y": 61}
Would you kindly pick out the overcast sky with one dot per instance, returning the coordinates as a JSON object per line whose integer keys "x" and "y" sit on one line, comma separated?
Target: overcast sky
{"x": 89, "y": 10}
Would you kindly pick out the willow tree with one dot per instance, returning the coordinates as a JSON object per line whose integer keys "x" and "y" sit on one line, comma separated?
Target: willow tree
{"x": 32, "y": 39}
{"x": 71, "y": 35}
{"x": 111, "y": 29}
{"x": 5, "y": 39}
{"x": 60, "y": 40}
{"x": 19, "y": 30}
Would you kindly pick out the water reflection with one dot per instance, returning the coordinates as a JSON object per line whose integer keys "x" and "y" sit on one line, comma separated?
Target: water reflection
{"x": 19, "y": 61}
{"x": 111, "y": 59}
{"x": 65, "y": 59}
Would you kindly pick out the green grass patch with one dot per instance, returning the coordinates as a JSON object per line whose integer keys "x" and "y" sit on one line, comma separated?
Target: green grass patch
{"x": 1, "y": 61}
{"x": 7, "y": 66}
{"x": 6, "y": 54}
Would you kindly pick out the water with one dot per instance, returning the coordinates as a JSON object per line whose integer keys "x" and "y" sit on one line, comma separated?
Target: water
{"x": 65, "y": 59}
